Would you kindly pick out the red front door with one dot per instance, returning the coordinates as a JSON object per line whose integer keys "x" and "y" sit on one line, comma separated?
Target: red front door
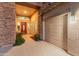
{"x": 23, "y": 27}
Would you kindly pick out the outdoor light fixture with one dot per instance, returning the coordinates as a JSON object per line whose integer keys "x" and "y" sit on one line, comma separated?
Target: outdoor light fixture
{"x": 18, "y": 24}
{"x": 72, "y": 18}
{"x": 18, "y": 27}
{"x": 25, "y": 12}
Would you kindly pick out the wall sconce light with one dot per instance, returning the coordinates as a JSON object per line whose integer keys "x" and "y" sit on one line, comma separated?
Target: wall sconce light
{"x": 18, "y": 24}
{"x": 18, "y": 27}
{"x": 72, "y": 19}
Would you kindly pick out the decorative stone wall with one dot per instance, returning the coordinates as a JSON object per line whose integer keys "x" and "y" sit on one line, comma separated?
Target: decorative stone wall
{"x": 7, "y": 23}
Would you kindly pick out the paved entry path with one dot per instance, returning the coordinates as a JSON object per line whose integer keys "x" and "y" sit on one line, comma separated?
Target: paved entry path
{"x": 35, "y": 48}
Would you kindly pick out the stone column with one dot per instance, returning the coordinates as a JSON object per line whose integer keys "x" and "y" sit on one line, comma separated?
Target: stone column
{"x": 7, "y": 23}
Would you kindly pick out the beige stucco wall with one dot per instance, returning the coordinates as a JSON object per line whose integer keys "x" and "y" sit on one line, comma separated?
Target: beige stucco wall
{"x": 34, "y": 23}
{"x": 73, "y": 33}
{"x": 7, "y": 24}
{"x": 54, "y": 27}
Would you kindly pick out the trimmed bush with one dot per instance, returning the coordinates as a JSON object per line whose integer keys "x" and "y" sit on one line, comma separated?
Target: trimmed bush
{"x": 19, "y": 39}
{"x": 36, "y": 37}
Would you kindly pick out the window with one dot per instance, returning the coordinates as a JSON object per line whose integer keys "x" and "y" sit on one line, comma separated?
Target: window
{"x": 22, "y": 18}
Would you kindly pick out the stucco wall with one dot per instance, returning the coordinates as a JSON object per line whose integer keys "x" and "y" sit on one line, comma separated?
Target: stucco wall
{"x": 7, "y": 24}
{"x": 52, "y": 24}
{"x": 73, "y": 32}
{"x": 34, "y": 23}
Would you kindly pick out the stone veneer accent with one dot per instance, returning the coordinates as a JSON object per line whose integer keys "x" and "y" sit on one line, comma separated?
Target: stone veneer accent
{"x": 7, "y": 23}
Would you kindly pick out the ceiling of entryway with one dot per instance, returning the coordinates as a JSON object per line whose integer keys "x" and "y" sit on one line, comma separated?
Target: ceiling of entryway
{"x": 22, "y": 10}
{"x": 28, "y": 9}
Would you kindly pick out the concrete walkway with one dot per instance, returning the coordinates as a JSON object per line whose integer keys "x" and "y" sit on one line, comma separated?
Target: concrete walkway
{"x": 35, "y": 48}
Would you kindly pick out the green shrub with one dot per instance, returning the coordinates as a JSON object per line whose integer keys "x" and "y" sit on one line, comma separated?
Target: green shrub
{"x": 19, "y": 39}
{"x": 36, "y": 37}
